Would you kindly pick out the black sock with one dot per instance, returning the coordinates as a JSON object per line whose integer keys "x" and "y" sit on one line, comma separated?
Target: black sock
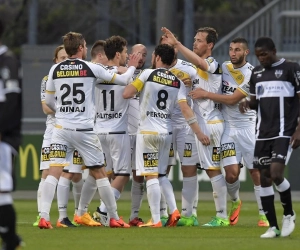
{"x": 286, "y": 202}
{"x": 8, "y": 227}
{"x": 269, "y": 209}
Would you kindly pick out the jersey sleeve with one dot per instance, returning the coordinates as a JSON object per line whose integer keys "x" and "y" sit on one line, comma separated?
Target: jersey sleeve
{"x": 140, "y": 80}
{"x": 252, "y": 86}
{"x": 297, "y": 77}
{"x": 181, "y": 97}
{"x": 213, "y": 65}
{"x": 43, "y": 88}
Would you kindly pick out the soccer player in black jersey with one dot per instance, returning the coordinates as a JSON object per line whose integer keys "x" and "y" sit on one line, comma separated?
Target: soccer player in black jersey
{"x": 275, "y": 92}
{"x": 10, "y": 138}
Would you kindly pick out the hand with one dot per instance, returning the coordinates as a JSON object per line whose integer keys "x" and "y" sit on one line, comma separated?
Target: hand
{"x": 169, "y": 36}
{"x": 134, "y": 59}
{"x": 295, "y": 139}
{"x": 244, "y": 106}
{"x": 122, "y": 70}
{"x": 198, "y": 94}
{"x": 204, "y": 139}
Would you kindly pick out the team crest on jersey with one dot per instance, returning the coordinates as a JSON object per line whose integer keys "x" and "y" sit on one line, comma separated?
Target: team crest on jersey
{"x": 278, "y": 73}
{"x": 260, "y": 90}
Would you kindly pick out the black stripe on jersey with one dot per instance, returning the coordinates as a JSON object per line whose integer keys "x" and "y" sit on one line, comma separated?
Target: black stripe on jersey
{"x": 218, "y": 70}
{"x": 164, "y": 77}
{"x": 71, "y": 69}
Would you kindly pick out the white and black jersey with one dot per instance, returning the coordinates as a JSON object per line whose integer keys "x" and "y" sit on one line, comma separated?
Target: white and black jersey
{"x": 10, "y": 98}
{"x": 276, "y": 90}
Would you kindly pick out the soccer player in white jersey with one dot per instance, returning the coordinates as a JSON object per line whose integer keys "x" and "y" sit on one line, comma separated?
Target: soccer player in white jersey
{"x": 238, "y": 139}
{"x": 159, "y": 91}
{"x": 137, "y": 187}
{"x": 73, "y": 82}
{"x": 72, "y": 172}
{"x": 183, "y": 138}
{"x": 97, "y": 52}
{"x": 208, "y": 114}
{"x": 111, "y": 121}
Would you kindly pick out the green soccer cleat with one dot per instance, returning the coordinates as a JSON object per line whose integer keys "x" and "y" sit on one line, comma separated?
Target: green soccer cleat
{"x": 188, "y": 221}
{"x": 217, "y": 222}
{"x": 164, "y": 220}
{"x": 263, "y": 221}
{"x": 235, "y": 212}
{"x": 36, "y": 223}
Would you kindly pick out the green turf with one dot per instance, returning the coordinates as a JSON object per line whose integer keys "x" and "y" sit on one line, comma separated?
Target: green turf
{"x": 244, "y": 235}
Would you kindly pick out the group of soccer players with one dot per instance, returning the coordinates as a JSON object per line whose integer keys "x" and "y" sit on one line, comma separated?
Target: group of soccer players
{"x": 196, "y": 110}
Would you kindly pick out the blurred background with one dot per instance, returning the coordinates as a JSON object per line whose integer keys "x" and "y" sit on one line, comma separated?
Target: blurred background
{"x": 35, "y": 27}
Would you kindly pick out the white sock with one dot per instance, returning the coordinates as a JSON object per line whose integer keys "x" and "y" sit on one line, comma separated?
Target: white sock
{"x": 102, "y": 207}
{"x": 195, "y": 204}
{"x": 137, "y": 192}
{"x": 63, "y": 190}
{"x": 87, "y": 193}
{"x": 163, "y": 206}
{"x": 233, "y": 190}
{"x": 167, "y": 190}
{"x": 220, "y": 195}
{"x": 189, "y": 191}
{"x": 47, "y": 196}
{"x": 107, "y": 195}
{"x": 258, "y": 200}
{"x": 39, "y": 195}
{"x": 76, "y": 190}
{"x": 153, "y": 195}
{"x": 283, "y": 186}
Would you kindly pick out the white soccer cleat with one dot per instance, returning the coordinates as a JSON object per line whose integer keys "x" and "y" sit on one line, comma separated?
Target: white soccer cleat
{"x": 288, "y": 224}
{"x": 272, "y": 232}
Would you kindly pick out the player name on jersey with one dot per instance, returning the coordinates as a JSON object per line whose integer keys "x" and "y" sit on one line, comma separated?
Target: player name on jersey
{"x": 109, "y": 116}
{"x": 158, "y": 115}
{"x": 71, "y": 109}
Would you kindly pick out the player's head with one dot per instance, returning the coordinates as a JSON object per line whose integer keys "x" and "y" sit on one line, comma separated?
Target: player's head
{"x": 163, "y": 54}
{"x": 140, "y": 48}
{"x": 162, "y": 40}
{"x": 265, "y": 51}
{"x": 97, "y": 52}
{"x": 116, "y": 49}
{"x": 238, "y": 50}
{"x": 60, "y": 54}
{"x": 204, "y": 41}
{"x": 74, "y": 44}
{"x": 2, "y": 28}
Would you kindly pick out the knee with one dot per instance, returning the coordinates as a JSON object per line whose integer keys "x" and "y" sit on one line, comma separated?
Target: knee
{"x": 277, "y": 178}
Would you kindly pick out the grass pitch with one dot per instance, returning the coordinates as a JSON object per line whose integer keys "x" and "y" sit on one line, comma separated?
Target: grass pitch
{"x": 244, "y": 235}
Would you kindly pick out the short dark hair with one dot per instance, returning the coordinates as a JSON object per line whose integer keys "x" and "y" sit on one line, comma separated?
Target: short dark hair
{"x": 240, "y": 40}
{"x": 98, "y": 47}
{"x": 212, "y": 35}
{"x": 72, "y": 41}
{"x": 166, "y": 53}
{"x": 113, "y": 45}
{"x": 2, "y": 28}
{"x": 266, "y": 42}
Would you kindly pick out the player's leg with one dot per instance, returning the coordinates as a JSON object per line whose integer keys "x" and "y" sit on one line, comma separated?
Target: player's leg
{"x": 7, "y": 212}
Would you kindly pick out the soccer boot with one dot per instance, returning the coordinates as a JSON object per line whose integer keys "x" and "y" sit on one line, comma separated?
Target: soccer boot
{"x": 263, "y": 221}
{"x": 101, "y": 217}
{"x": 74, "y": 222}
{"x": 288, "y": 224}
{"x": 217, "y": 222}
{"x": 86, "y": 220}
{"x": 151, "y": 224}
{"x": 43, "y": 224}
{"x": 136, "y": 222}
{"x": 235, "y": 211}
{"x": 65, "y": 222}
{"x": 36, "y": 223}
{"x": 173, "y": 219}
{"x": 185, "y": 221}
{"x": 118, "y": 223}
{"x": 164, "y": 220}
{"x": 272, "y": 232}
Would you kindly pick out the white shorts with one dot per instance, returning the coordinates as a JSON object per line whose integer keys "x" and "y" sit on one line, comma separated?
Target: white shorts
{"x": 177, "y": 145}
{"x": 117, "y": 153}
{"x": 6, "y": 167}
{"x": 76, "y": 163}
{"x": 133, "y": 151}
{"x": 64, "y": 142}
{"x": 237, "y": 144}
{"x": 45, "y": 150}
{"x": 152, "y": 153}
{"x": 210, "y": 155}
{"x": 190, "y": 153}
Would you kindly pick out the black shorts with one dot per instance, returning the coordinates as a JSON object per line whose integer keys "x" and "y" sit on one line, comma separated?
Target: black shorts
{"x": 268, "y": 151}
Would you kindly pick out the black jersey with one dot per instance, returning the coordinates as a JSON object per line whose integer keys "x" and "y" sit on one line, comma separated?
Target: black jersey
{"x": 10, "y": 98}
{"x": 276, "y": 91}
